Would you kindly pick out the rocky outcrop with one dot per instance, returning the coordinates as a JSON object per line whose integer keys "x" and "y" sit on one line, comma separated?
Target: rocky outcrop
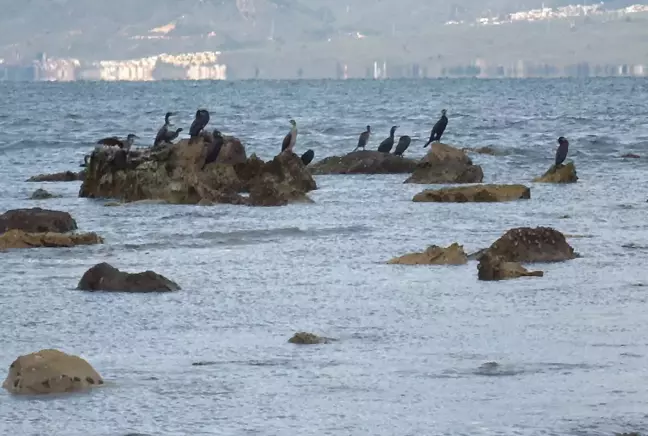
{"x": 174, "y": 173}
{"x": 525, "y": 244}
{"x": 20, "y": 239}
{"x": 559, "y": 174}
{"x": 493, "y": 267}
{"x": 41, "y": 194}
{"x": 474, "y": 193}
{"x": 65, "y": 176}
{"x": 50, "y": 372}
{"x": 37, "y": 220}
{"x": 434, "y": 255}
{"x": 105, "y": 277}
{"x": 364, "y": 162}
{"x": 446, "y": 164}
{"x": 304, "y": 338}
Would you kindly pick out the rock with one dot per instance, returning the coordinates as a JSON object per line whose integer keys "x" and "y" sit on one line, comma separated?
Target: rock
{"x": 20, "y": 239}
{"x": 364, "y": 162}
{"x": 434, "y": 255}
{"x": 41, "y": 194}
{"x": 481, "y": 150}
{"x": 559, "y": 174}
{"x": 304, "y": 338}
{"x": 105, "y": 277}
{"x": 66, "y": 176}
{"x": 525, "y": 244}
{"x": 50, "y": 372}
{"x": 474, "y": 193}
{"x": 493, "y": 267}
{"x": 446, "y": 164}
{"x": 37, "y": 220}
{"x": 173, "y": 173}
{"x": 630, "y": 156}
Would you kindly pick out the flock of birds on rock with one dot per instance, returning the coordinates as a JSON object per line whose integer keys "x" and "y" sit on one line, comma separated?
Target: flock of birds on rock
{"x": 215, "y": 140}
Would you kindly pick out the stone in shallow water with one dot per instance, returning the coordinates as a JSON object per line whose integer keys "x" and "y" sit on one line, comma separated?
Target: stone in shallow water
{"x": 105, "y": 277}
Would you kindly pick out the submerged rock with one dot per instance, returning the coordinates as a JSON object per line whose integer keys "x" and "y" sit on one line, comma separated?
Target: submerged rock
{"x": 20, "y": 239}
{"x": 559, "y": 174}
{"x": 494, "y": 267}
{"x": 446, "y": 164}
{"x": 474, "y": 193}
{"x": 631, "y": 156}
{"x": 36, "y": 220}
{"x": 65, "y": 176}
{"x": 173, "y": 173}
{"x": 434, "y": 255}
{"x": 105, "y": 277}
{"x": 50, "y": 372}
{"x": 482, "y": 150}
{"x": 364, "y": 162}
{"x": 41, "y": 194}
{"x": 525, "y": 244}
{"x": 305, "y": 338}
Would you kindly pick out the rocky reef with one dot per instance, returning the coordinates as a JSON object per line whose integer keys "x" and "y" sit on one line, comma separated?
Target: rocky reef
{"x": 65, "y": 176}
{"x": 177, "y": 174}
{"x": 364, "y": 162}
{"x": 446, "y": 164}
{"x": 50, "y": 372}
{"x": 559, "y": 174}
{"x": 474, "y": 193}
{"x": 454, "y": 254}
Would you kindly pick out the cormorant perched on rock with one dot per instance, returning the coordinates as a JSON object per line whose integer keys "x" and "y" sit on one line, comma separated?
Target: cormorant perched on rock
{"x": 403, "y": 142}
{"x": 291, "y": 138}
{"x": 387, "y": 144}
{"x": 165, "y": 134}
{"x": 115, "y": 141}
{"x": 199, "y": 123}
{"x": 438, "y": 129}
{"x": 214, "y": 147}
{"x": 364, "y": 138}
{"x": 307, "y": 157}
{"x": 561, "y": 152}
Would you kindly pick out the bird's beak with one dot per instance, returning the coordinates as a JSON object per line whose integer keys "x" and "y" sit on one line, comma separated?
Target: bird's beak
{"x": 136, "y": 137}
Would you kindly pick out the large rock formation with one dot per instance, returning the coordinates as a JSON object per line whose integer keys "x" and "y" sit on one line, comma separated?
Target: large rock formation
{"x": 20, "y": 239}
{"x": 175, "y": 173}
{"x": 494, "y": 267}
{"x": 50, "y": 372}
{"x": 474, "y": 193}
{"x": 105, "y": 277}
{"x": 364, "y": 162}
{"x": 37, "y": 220}
{"x": 525, "y": 244}
{"x": 559, "y": 174}
{"x": 434, "y": 255}
{"x": 446, "y": 164}
{"x": 65, "y": 176}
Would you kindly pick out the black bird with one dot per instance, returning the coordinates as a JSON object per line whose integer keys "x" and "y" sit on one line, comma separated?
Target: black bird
{"x": 364, "y": 138}
{"x": 121, "y": 143}
{"x": 199, "y": 123}
{"x": 561, "y": 152}
{"x": 403, "y": 142}
{"x": 387, "y": 144}
{"x": 165, "y": 134}
{"x": 214, "y": 147}
{"x": 438, "y": 129}
{"x": 307, "y": 157}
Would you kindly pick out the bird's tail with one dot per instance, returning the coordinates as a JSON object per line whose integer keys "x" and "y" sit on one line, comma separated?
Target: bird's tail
{"x": 427, "y": 143}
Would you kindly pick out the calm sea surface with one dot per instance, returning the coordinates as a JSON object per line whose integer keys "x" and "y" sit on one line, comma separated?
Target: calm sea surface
{"x": 573, "y": 345}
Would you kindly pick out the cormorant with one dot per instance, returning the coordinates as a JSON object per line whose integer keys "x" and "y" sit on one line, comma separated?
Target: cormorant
{"x": 307, "y": 157}
{"x": 164, "y": 134}
{"x": 214, "y": 148}
{"x": 86, "y": 158}
{"x": 290, "y": 138}
{"x": 115, "y": 141}
{"x": 199, "y": 123}
{"x": 364, "y": 138}
{"x": 387, "y": 144}
{"x": 438, "y": 129}
{"x": 561, "y": 152}
{"x": 403, "y": 143}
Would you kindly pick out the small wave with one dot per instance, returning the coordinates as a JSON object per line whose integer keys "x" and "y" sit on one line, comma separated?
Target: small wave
{"x": 252, "y": 236}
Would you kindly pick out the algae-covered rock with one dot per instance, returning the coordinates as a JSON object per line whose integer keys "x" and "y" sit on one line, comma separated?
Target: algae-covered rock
{"x": 559, "y": 174}
{"x": 434, "y": 255}
{"x": 446, "y": 164}
{"x": 474, "y": 193}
